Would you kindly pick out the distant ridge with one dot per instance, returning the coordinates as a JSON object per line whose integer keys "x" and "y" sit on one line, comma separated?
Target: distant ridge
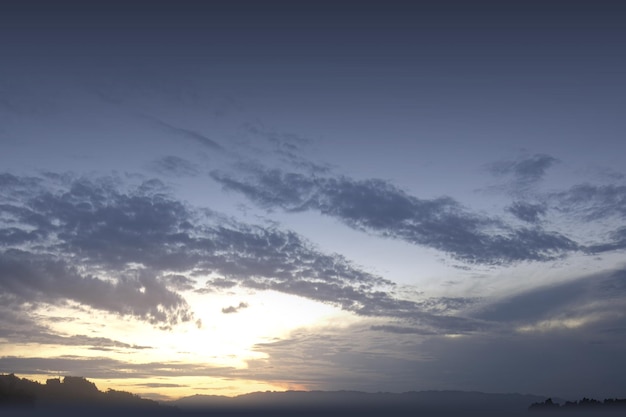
{"x": 432, "y": 402}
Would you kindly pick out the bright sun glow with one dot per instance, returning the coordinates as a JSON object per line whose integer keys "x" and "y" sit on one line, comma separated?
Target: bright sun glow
{"x": 223, "y": 333}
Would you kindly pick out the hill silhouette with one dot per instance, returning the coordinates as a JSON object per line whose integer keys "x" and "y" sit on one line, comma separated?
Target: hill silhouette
{"x": 63, "y": 396}
{"x": 427, "y": 403}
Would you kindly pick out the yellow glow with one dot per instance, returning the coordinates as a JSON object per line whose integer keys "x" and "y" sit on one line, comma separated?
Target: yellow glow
{"x": 222, "y": 341}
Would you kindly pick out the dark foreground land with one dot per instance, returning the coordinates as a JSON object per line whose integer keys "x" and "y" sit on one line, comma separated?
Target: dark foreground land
{"x": 75, "y": 396}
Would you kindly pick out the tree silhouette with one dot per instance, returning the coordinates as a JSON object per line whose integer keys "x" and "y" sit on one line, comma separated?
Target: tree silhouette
{"x": 583, "y": 405}
{"x": 71, "y": 391}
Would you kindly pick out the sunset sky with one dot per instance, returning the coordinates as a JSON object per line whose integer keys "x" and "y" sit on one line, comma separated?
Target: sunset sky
{"x": 243, "y": 196}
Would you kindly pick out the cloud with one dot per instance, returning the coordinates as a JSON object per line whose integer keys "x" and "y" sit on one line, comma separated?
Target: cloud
{"x": 18, "y": 326}
{"x": 37, "y": 278}
{"x": 538, "y": 336}
{"x": 288, "y": 146}
{"x": 132, "y": 250}
{"x": 528, "y": 212}
{"x": 175, "y": 166}
{"x": 107, "y": 368}
{"x": 179, "y": 282}
{"x": 379, "y": 207}
{"x": 188, "y": 134}
{"x": 525, "y": 172}
{"x": 234, "y": 309}
{"x": 221, "y": 283}
{"x": 402, "y": 330}
{"x": 160, "y": 385}
{"x": 592, "y": 202}
{"x": 376, "y": 354}
{"x": 135, "y": 250}
{"x": 593, "y": 302}
{"x": 617, "y": 242}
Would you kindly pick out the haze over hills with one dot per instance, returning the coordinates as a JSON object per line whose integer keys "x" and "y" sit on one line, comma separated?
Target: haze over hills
{"x": 79, "y": 392}
{"x": 382, "y": 402}
{"x": 78, "y": 396}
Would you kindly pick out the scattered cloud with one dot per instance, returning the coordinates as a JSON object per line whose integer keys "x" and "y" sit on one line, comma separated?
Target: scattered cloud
{"x": 592, "y": 202}
{"x": 528, "y": 212}
{"x": 288, "y": 146}
{"x": 187, "y": 134}
{"x": 617, "y": 242}
{"x": 17, "y": 325}
{"x": 179, "y": 282}
{"x": 525, "y": 172}
{"x": 175, "y": 166}
{"x": 31, "y": 277}
{"x": 234, "y": 309}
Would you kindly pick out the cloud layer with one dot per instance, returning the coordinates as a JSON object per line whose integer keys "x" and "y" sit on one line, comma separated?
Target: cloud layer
{"x": 133, "y": 250}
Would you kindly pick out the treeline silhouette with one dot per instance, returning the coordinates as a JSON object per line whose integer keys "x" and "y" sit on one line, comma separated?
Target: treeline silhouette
{"x": 70, "y": 392}
{"x": 586, "y": 404}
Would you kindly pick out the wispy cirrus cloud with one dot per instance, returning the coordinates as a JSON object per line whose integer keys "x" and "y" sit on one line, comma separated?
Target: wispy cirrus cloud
{"x": 592, "y": 202}
{"x": 187, "y": 134}
{"x": 175, "y": 166}
{"x": 524, "y": 172}
{"x": 289, "y": 147}
{"x": 616, "y": 241}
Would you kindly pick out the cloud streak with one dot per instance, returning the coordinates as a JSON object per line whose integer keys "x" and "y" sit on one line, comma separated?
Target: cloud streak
{"x": 188, "y": 134}
{"x": 524, "y": 172}
{"x": 592, "y": 202}
{"x": 174, "y": 166}
{"x": 379, "y": 207}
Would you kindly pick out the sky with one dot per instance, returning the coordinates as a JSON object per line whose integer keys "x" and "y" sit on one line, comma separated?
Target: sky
{"x": 227, "y": 197}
